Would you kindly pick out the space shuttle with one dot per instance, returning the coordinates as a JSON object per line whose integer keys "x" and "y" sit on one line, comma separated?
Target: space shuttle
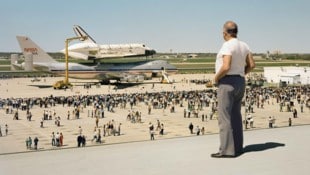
{"x": 122, "y": 72}
{"x": 88, "y": 49}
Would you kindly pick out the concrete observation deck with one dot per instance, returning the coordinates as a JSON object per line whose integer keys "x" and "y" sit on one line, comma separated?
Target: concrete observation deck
{"x": 268, "y": 151}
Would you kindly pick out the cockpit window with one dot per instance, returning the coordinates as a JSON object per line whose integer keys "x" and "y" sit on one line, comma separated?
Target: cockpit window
{"x": 143, "y": 45}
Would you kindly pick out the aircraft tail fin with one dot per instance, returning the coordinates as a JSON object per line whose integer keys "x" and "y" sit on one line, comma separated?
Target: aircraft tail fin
{"x": 28, "y": 46}
{"x": 79, "y": 31}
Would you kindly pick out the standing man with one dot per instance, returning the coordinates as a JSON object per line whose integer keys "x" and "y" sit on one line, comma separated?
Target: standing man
{"x": 191, "y": 127}
{"x": 233, "y": 61}
{"x": 119, "y": 129}
{"x": 152, "y": 132}
{"x": 36, "y": 140}
{"x": 79, "y": 140}
{"x": 61, "y": 139}
{"x": 29, "y": 142}
{"x": 80, "y": 130}
{"x": 295, "y": 113}
{"x": 270, "y": 121}
{"x": 6, "y": 129}
{"x": 53, "y": 139}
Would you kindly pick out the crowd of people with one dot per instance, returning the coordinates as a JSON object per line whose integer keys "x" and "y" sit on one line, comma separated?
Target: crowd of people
{"x": 192, "y": 102}
{"x": 258, "y": 96}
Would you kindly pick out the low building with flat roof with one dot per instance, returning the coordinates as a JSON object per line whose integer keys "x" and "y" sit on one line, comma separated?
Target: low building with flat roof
{"x": 289, "y": 75}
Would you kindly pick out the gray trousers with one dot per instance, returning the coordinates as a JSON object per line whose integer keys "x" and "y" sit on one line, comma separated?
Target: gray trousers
{"x": 230, "y": 94}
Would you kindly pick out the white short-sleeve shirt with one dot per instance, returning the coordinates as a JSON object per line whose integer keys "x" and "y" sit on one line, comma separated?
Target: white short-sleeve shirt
{"x": 239, "y": 51}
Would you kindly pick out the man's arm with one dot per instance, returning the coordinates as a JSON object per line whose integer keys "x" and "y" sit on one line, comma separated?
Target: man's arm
{"x": 224, "y": 69}
{"x": 250, "y": 64}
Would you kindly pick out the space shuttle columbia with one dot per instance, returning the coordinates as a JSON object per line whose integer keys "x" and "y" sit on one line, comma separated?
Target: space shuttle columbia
{"x": 88, "y": 49}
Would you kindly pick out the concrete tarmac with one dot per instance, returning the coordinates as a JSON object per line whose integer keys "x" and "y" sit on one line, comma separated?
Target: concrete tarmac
{"x": 276, "y": 151}
{"x": 279, "y": 150}
{"x": 174, "y": 123}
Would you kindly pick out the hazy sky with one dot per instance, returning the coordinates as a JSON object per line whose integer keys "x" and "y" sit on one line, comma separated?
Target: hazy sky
{"x": 180, "y": 25}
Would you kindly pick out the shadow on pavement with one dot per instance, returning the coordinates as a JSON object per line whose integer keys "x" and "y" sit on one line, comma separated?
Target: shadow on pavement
{"x": 261, "y": 147}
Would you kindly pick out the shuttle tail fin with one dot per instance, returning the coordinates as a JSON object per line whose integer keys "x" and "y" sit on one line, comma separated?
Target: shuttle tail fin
{"x": 28, "y": 46}
{"x": 79, "y": 31}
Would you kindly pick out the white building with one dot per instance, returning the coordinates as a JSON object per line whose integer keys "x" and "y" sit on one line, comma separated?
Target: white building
{"x": 290, "y": 75}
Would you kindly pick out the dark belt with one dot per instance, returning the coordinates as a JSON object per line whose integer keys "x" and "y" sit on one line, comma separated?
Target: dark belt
{"x": 234, "y": 75}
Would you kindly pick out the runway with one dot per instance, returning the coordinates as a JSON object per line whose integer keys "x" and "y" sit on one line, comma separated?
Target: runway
{"x": 274, "y": 151}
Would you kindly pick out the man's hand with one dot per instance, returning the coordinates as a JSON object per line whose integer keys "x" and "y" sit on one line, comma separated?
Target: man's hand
{"x": 250, "y": 63}
{"x": 215, "y": 82}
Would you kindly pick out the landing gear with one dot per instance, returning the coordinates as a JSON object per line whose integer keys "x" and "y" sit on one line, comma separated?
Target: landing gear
{"x": 105, "y": 82}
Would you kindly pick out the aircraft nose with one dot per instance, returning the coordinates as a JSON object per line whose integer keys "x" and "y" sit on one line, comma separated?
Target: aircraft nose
{"x": 150, "y": 52}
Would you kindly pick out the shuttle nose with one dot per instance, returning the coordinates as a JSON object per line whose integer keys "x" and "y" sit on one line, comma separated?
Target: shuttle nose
{"x": 70, "y": 48}
{"x": 150, "y": 52}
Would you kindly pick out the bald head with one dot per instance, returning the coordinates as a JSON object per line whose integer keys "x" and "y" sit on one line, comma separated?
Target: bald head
{"x": 231, "y": 28}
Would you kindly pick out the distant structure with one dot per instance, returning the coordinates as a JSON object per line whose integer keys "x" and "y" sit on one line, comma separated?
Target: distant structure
{"x": 28, "y": 62}
{"x": 287, "y": 75}
{"x": 192, "y": 55}
{"x": 14, "y": 59}
{"x": 26, "y": 66}
{"x": 267, "y": 55}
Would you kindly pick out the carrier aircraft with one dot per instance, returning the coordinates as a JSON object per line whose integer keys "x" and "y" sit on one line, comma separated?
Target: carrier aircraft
{"x": 88, "y": 49}
{"x": 125, "y": 72}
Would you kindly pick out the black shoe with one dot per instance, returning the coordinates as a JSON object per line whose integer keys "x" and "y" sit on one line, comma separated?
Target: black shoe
{"x": 219, "y": 155}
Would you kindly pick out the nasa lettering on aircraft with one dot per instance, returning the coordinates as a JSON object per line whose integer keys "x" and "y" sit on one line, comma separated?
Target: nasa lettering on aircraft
{"x": 88, "y": 49}
{"x": 33, "y": 51}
